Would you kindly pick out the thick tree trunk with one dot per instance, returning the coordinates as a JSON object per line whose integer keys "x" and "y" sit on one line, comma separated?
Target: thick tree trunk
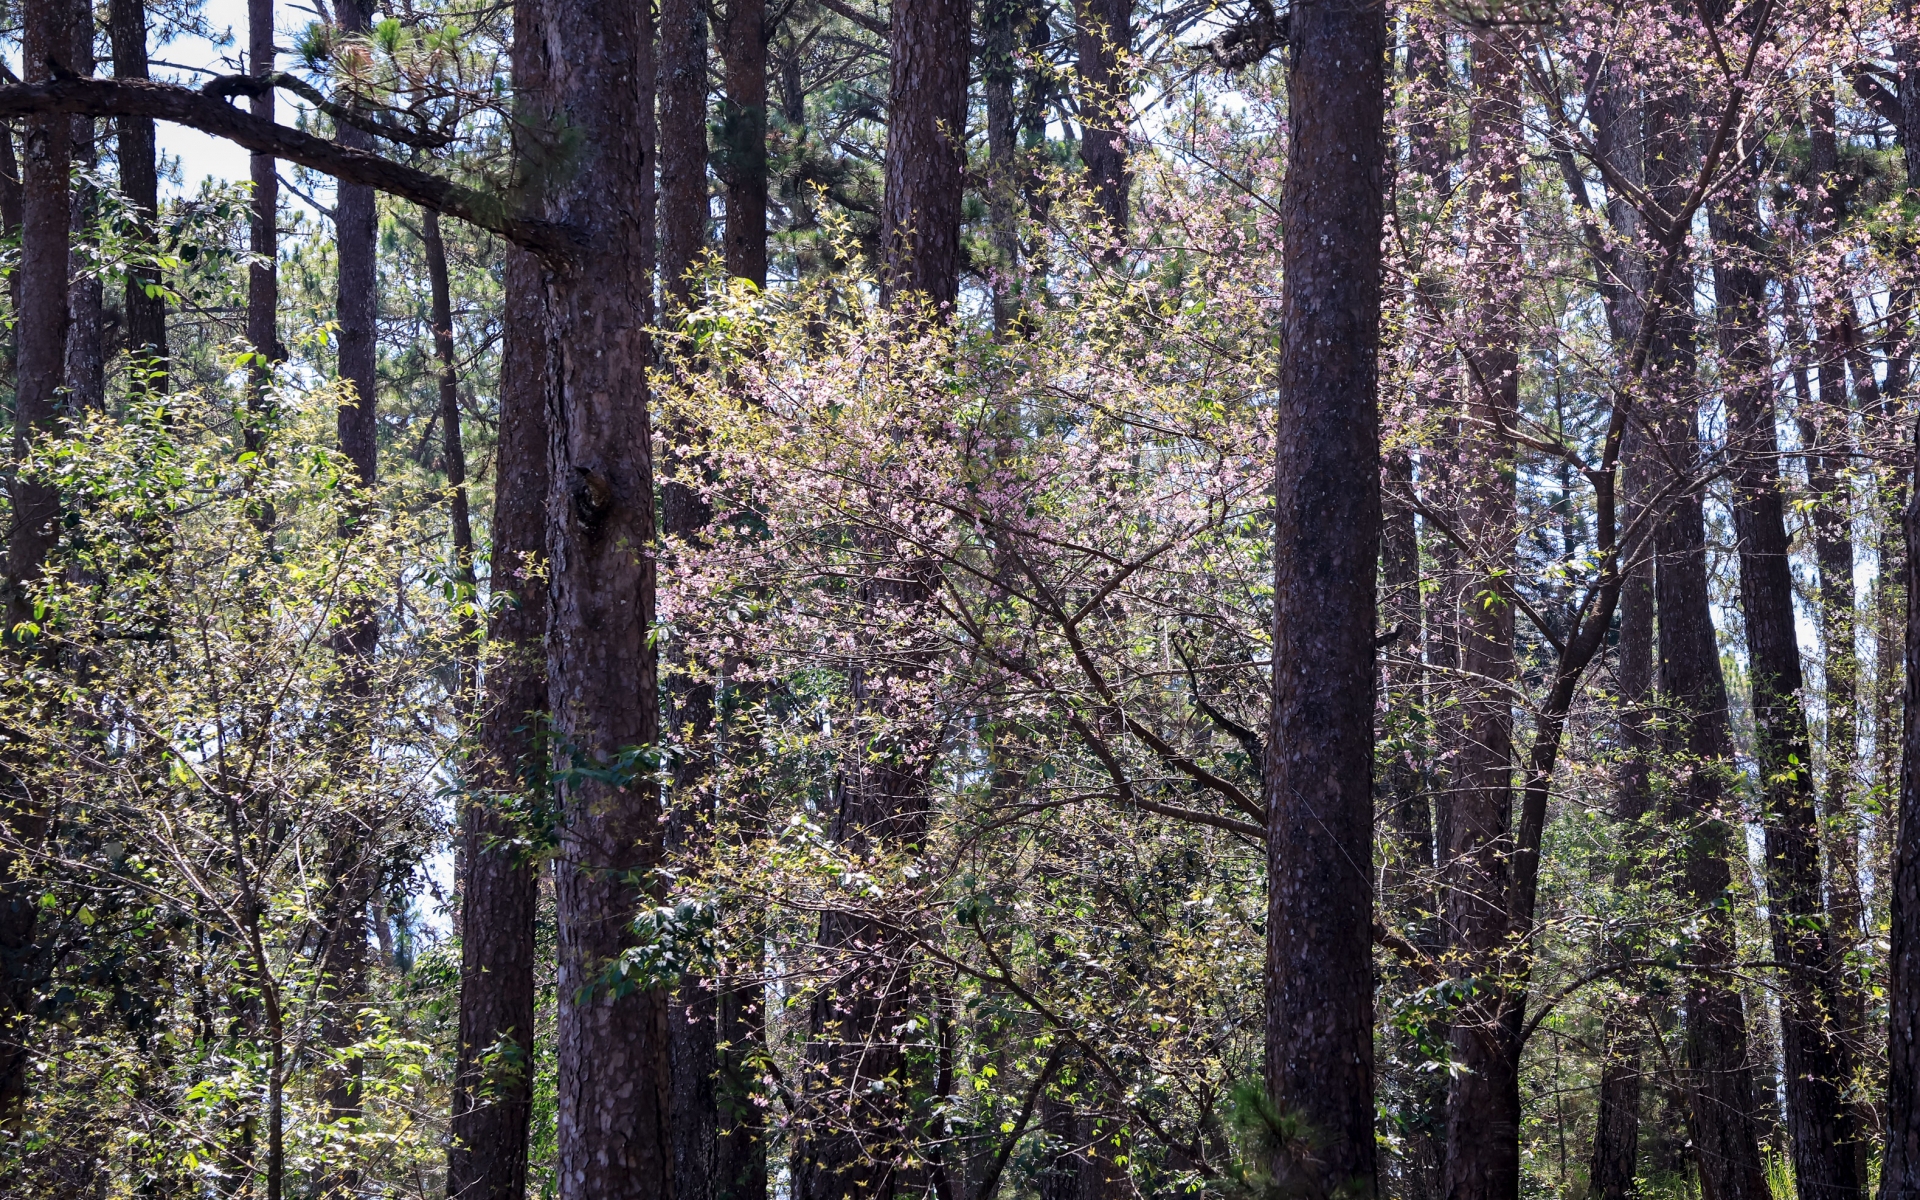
{"x": 493, "y": 1082}
{"x": 596, "y": 63}
{"x": 146, "y": 312}
{"x": 263, "y": 273}
{"x": 926, "y": 140}
{"x": 743, "y": 138}
{"x": 42, "y": 333}
{"x": 86, "y": 323}
{"x": 1483, "y": 1102}
{"x": 1104, "y": 34}
{"x": 1319, "y": 786}
{"x": 1818, "y": 1064}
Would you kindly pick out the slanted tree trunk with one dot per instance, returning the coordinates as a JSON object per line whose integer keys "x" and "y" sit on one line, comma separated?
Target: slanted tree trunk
{"x": 926, "y": 136}
{"x": 1319, "y": 786}
{"x": 493, "y": 1077}
{"x": 42, "y": 332}
{"x": 146, "y": 312}
{"x": 1483, "y": 1100}
{"x": 453, "y": 451}
{"x": 86, "y": 325}
{"x": 743, "y": 138}
{"x": 1104, "y": 34}
{"x": 1818, "y": 1063}
{"x": 263, "y": 273}
{"x": 597, "y": 71}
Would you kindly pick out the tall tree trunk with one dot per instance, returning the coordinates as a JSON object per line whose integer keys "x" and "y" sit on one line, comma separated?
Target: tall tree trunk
{"x": 263, "y": 273}
{"x": 597, "y": 66}
{"x": 86, "y": 323}
{"x": 1694, "y": 695}
{"x": 1624, "y": 280}
{"x": 493, "y": 1077}
{"x": 683, "y": 234}
{"x": 1483, "y": 1102}
{"x": 1104, "y": 34}
{"x": 350, "y": 873}
{"x": 1818, "y": 1064}
{"x": 146, "y": 311}
{"x": 926, "y": 136}
{"x": 1900, "y": 1163}
{"x": 42, "y": 332}
{"x": 1319, "y": 787}
{"x": 743, "y": 138}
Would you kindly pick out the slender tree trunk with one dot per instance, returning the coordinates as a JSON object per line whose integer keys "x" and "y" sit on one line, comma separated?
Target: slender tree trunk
{"x": 1104, "y": 35}
{"x": 42, "y": 331}
{"x": 683, "y": 145}
{"x": 1483, "y": 1102}
{"x": 146, "y": 312}
{"x": 1694, "y": 694}
{"x": 926, "y": 132}
{"x": 453, "y": 451}
{"x": 493, "y": 1078}
{"x": 1319, "y": 787}
{"x": 596, "y": 63}
{"x": 263, "y": 273}
{"x": 743, "y": 138}
{"x": 350, "y": 873}
{"x": 683, "y": 235}
{"x": 1818, "y": 1064}
{"x": 1900, "y": 1162}
{"x": 86, "y": 329}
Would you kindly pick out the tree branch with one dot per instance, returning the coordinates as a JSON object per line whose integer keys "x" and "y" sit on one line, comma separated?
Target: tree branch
{"x": 211, "y": 115}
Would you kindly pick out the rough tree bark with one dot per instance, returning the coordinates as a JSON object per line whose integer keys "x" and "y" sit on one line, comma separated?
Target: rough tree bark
{"x": 263, "y": 273}
{"x": 493, "y": 1079}
{"x": 1104, "y": 32}
{"x": 595, "y": 61}
{"x": 41, "y": 331}
{"x": 689, "y": 716}
{"x": 1319, "y": 971}
{"x": 926, "y": 132}
{"x": 1483, "y": 1100}
{"x": 742, "y": 157}
{"x": 350, "y": 879}
{"x": 146, "y": 312}
{"x": 1693, "y": 694}
{"x": 1818, "y": 1063}
{"x": 86, "y": 308}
